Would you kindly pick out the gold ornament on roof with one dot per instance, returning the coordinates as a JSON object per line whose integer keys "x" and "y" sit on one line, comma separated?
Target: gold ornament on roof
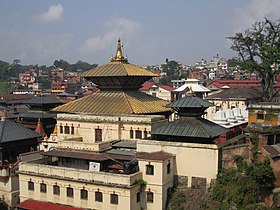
{"x": 119, "y": 56}
{"x": 190, "y": 91}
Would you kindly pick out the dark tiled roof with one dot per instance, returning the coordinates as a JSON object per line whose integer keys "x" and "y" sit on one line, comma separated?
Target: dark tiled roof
{"x": 15, "y": 98}
{"x": 11, "y": 131}
{"x": 35, "y": 205}
{"x": 190, "y": 102}
{"x": 273, "y": 150}
{"x": 237, "y": 92}
{"x": 42, "y": 100}
{"x": 115, "y": 102}
{"x": 125, "y": 144}
{"x": 78, "y": 155}
{"x": 190, "y": 127}
{"x": 37, "y": 115}
{"x": 159, "y": 155}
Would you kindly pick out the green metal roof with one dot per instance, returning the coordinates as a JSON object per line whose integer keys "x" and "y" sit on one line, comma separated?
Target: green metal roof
{"x": 190, "y": 102}
{"x": 190, "y": 127}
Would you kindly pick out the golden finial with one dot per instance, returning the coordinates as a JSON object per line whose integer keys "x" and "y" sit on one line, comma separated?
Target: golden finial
{"x": 190, "y": 91}
{"x": 119, "y": 55}
{"x": 55, "y": 130}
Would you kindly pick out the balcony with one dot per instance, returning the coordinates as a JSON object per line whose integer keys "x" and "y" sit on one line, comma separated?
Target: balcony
{"x": 72, "y": 174}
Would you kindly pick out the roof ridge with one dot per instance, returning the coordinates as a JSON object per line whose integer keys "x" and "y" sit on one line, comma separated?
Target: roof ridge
{"x": 2, "y": 130}
{"x": 129, "y": 104}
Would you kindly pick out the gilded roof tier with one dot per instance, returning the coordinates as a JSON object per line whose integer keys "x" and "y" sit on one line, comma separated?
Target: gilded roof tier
{"x": 118, "y": 66}
{"x": 116, "y": 102}
{"x": 118, "y": 69}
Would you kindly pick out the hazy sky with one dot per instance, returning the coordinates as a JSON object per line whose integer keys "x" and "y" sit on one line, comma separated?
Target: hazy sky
{"x": 38, "y": 32}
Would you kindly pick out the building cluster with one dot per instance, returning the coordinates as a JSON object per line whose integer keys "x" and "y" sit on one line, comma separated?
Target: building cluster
{"x": 129, "y": 144}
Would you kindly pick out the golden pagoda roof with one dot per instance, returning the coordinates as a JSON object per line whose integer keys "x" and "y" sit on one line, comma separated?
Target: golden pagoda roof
{"x": 118, "y": 69}
{"x": 118, "y": 66}
{"x": 116, "y": 102}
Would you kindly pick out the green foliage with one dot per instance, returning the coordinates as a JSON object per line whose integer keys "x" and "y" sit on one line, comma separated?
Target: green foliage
{"x": 240, "y": 188}
{"x": 5, "y": 87}
{"x": 259, "y": 49}
{"x": 263, "y": 175}
{"x": 172, "y": 69}
{"x": 80, "y": 65}
{"x": 176, "y": 200}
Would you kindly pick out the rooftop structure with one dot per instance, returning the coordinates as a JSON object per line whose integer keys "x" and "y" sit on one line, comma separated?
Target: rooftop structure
{"x": 191, "y": 83}
{"x": 190, "y": 127}
{"x": 119, "y": 82}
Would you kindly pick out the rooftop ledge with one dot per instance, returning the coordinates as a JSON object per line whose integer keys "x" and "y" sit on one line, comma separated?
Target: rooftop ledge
{"x": 78, "y": 175}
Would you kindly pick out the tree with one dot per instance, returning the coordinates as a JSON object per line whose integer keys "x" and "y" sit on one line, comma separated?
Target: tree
{"x": 259, "y": 49}
{"x": 61, "y": 64}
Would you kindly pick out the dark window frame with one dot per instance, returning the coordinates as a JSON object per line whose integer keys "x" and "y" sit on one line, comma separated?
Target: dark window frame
{"x": 84, "y": 194}
{"x": 168, "y": 168}
{"x": 260, "y": 116}
{"x": 114, "y": 198}
{"x": 72, "y": 130}
{"x": 66, "y": 129}
{"x": 98, "y": 135}
{"x": 150, "y": 169}
{"x": 131, "y": 134}
{"x": 56, "y": 190}
{"x": 138, "y": 134}
{"x": 43, "y": 188}
{"x": 61, "y": 129}
{"x": 30, "y": 185}
{"x": 138, "y": 196}
{"x": 70, "y": 192}
{"x": 150, "y": 197}
{"x": 98, "y": 196}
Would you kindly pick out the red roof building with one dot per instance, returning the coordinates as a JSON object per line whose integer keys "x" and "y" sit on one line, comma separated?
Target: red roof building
{"x": 35, "y": 205}
{"x": 160, "y": 91}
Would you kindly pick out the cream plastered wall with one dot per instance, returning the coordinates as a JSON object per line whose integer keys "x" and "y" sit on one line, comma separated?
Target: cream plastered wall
{"x": 159, "y": 182}
{"x": 113, "y": 128}
{"x": 9, "y": 189}
{"x": 126, "y": 196}
{"x": 192, "y": 160}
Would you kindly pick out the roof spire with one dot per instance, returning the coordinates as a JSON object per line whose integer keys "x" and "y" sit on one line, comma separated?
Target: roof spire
{"x": 119, "y": 56}
{"x": 39, "y": 128}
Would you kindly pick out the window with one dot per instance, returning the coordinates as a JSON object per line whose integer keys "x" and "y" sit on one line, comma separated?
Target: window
{"x": 98, "y": 135}
{"x": 43, "y": 188}
{"x": 66, "y": 129}
{"x": 98, "y": 196}
{"x": 84, "y": 194}
{"x": 168, "y": 168}
{"x": 138, "y": 134}
{"x": 114, "y": 199}
{"x": 150, "y": 197}
{"x": 31, "y": 185}
{"x": 131, "y": 133}
{"x": 61, "y": 129}
{"x": 138, "y": 197}
{"x": 72, "y": 130}
{"x": 149, "y": 169}
{"x": 145, "y": 134}
{"x": 260, "y": 116}
{"x": 69, "y": 192}
{"x": 56, "y": 190}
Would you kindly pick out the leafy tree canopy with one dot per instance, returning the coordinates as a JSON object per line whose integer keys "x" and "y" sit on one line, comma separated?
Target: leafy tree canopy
{"x": 259, "y": 50}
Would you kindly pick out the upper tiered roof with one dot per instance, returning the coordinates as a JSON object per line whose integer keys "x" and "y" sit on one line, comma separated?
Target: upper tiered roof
{"x": 118, "y": 73}
{"x": 119, "y": 82}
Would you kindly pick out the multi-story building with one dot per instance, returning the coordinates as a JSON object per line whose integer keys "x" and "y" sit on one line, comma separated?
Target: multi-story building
{"x": 161, "y": 91}
{"x": 116, "y": 149}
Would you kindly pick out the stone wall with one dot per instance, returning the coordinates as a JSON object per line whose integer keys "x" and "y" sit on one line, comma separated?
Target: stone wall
{"x": 229, "y": 152}
{"x": 195, "y": 194}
